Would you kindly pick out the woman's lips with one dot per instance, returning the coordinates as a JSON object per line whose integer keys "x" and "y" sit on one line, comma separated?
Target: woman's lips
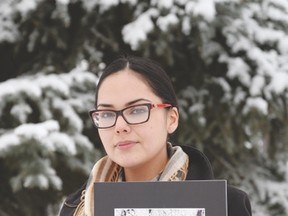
{"x": 125, "y": 145}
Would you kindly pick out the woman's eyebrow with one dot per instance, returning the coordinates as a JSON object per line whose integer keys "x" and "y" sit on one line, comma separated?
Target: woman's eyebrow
{"x": 136, "y": 101}
{"x": 127, "y": 104}
{"x": 105, "y": 105}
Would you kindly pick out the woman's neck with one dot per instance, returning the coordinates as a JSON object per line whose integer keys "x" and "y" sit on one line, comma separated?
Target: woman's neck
{"x": 146, "y": 172}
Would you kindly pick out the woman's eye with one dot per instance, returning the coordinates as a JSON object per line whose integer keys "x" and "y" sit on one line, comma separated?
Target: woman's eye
{"x": 138, "y": 110}
{"x": 106, "y": 115}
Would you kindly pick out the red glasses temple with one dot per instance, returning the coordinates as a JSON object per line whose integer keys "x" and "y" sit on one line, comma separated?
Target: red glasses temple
{"x": 161, "y": 105}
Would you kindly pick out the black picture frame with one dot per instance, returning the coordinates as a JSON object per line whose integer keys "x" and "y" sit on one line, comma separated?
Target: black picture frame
{"x": 210, "y": 195}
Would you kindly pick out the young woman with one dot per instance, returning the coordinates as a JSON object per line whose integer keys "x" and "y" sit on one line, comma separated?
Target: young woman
{"x": 135, "y": 111}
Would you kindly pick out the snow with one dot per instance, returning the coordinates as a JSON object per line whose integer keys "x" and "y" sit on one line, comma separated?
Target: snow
{"x": 83, "y": 141}
{"x": 181, "y": 2}
{"x": 88, "y": 5}
{"x": 266, "y": 61}
{"x": 267, "y": 35}
{"x": 21, "y": 111}
{"x": 237, "y": 68}
{"x": 61, "y": 142}
{"x": 283, "y": 4}
{"x": 210, "y": 50}
{"x": 32, "y": 39}
{"x": 164, "y": 22}
{"x": 58, "y": 86}
{"x": 283, "y": 45}
{"x": 269, "y": 63}
{"x": 186, "y": 26}
{"x": 64, "y": 142}
{"x": 136, "y": 31}
{"x": 279, "y": 82}
{"x": 31, "y": 131}
{"x": 276, "y": 14}
{"x": 239, "y": 96}
{"x": 131, "y": 2}
{"x": 14, "y": 86}
{"x": 52, "y": 93}
{"x": 258, "y": 103}
{"x": 28, "y": 178}
{"x": 43, "y": 180}
{"x": 248, "y": 145}
{"x": 40, "y": 180}
{"x": 189, "y": 7}
{"x": 202, "y": 8}
{"x": 278, "y": 192}
{"x": 24, "y": 6}
{"x": 56, "y": 182}
{"x": 224, "y": 84}
{"x": 75, "y": 122}
{"x": 82, "y": 66}
{"x": 197, "y": 107}
{"x": 166, "y": 4}
{"x": 79, "y": 77}
{"x": 257, "y": 85}
{"x": 9, "y": 9}
{"x": 8, "y": 140}
{"x": 54, "y": 83}
{"x": 104, "y": 4}
{"x": 65, "y": 2}
{"x": 8, "y": 30}
{"x": 37, "y": 131}
{"x": 47, "y": 133}
{"x": 240, "y": 31}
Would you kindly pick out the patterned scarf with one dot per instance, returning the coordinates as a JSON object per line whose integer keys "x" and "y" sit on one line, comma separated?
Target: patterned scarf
{"x": 105, "y": 170}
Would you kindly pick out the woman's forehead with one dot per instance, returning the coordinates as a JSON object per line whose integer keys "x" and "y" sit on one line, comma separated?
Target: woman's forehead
{"x": 124, "y": 74}
{"x": 122, "y": 81}
{"x": 124, "y": 87}
{"x": 129, "y": 103}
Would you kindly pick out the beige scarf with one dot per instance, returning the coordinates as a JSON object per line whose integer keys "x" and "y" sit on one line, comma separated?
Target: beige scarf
{"x": 105, "y": 170}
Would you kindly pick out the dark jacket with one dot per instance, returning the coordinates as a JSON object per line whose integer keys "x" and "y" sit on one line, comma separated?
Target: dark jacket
{"x": 199, "y": 169}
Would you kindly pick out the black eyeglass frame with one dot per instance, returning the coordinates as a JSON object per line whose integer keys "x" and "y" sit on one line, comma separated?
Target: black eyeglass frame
{"x": 120, "y": 113}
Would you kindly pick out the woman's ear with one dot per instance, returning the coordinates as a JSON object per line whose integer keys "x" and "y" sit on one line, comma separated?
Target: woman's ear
{"x": 172, "y": 120}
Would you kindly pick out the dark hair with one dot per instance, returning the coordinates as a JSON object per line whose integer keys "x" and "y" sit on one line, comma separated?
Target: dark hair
{"x": 151, "y": 71}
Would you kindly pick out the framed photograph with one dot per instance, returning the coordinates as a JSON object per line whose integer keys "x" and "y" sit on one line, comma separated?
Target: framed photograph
{"x": 159, "y": 211}
{"x": 177, "y": 198}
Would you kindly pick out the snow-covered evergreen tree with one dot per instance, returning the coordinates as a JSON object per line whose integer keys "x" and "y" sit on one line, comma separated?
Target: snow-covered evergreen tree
{"x": 43, "y": 145}
{"x": 228, "y": 61}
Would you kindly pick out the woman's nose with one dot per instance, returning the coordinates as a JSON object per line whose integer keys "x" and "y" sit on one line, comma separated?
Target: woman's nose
{"x": 121, "y": 125}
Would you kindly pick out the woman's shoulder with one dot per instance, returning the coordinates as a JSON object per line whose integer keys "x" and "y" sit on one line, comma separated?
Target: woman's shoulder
{"x": 201, "y": 169}
{"x": 199, "y": 165}
{"x": 238, "y": 202}
{"x": 71, "y": 202}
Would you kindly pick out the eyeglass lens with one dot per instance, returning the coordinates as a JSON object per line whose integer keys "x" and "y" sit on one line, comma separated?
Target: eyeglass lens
{"x": 132, "y": 115}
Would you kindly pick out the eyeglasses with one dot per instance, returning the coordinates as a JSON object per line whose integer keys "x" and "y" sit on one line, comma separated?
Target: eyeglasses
{"x": 133, "y": 115}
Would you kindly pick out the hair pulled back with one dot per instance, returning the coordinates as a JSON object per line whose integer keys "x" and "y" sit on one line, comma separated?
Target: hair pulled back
{"x": 151, "y": 71}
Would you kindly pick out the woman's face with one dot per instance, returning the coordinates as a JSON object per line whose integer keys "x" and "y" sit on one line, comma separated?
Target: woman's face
{"x": 135, "y": 147}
